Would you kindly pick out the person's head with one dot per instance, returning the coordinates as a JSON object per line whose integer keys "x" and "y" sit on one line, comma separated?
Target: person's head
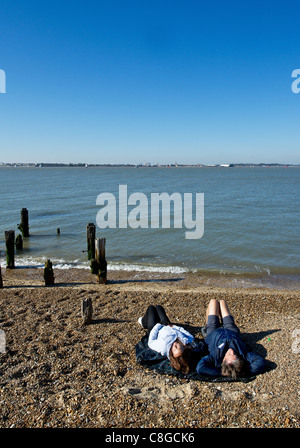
{"x": 232, "y": 364}
{"x": 180, "y": 356}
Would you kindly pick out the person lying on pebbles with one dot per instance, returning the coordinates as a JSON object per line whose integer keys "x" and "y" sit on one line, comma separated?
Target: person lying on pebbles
{"x": 228, "y": 354}
{"x": 169, "y": 340}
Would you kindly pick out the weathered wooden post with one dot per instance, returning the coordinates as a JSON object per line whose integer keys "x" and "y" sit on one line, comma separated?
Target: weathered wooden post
{"x": 94, "y": 266}
{"x": 100, "y": 258}
{"x": 58, "y": 231}
{"x": 10, "y": 248}
{"x": 87, "y": 311}
{"x": 19, "y": 242}
{"x": 24, "y": 227}
{"x": 91, "y": 233}
{"x": 1, "y": 281}
{"x": 48, "y": 273}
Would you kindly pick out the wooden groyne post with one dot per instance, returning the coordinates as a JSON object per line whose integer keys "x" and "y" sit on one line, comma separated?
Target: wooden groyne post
{"x": 24, "y": 226}
{"x": 48, "y": 273}
{"x": 1, "y": 281}
{"x": 19, "y": 242}
{"x": 10, "y": 248}
{"x": 100, "y": 259}
{"x": 86, "y": 311}
{"x": 91, "y": 234}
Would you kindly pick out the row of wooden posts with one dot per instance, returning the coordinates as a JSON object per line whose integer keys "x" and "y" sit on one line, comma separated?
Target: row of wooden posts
{"x": 95, "y": 250}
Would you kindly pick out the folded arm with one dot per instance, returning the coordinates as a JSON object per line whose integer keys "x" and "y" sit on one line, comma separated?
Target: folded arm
{"x": 153, "y": 341}
{"x": 206, "y": 367}
{"x": 256, "y": 363}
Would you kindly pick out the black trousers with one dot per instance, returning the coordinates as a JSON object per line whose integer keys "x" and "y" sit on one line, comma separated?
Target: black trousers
{"x": 155, "y": 315}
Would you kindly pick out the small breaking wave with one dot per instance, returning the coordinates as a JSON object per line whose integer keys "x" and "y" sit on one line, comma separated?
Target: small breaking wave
{"x": 39, "y": 262}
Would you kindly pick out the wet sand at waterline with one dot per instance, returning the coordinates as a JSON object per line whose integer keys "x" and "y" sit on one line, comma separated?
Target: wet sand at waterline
{"x": 56, "y": 372}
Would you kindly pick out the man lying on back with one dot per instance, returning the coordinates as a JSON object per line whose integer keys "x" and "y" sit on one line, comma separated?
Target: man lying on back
{"x": 228, "y": 354}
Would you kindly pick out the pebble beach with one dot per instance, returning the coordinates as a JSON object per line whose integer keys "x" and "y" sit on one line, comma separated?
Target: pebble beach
{"x": 56, "y": 372}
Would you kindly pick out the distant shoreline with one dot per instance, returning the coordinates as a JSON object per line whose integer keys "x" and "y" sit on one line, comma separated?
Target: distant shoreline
{"x": 148, "y": 165}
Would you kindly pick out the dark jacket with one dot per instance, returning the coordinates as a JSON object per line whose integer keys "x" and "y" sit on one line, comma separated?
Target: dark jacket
{"x": 219, "y": 341}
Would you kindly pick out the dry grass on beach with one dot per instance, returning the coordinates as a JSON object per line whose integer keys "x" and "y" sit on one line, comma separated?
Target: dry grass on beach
{"x": 55, "y": 372}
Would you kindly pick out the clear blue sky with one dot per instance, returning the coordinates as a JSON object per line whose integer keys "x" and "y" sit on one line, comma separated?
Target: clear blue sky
{"x": 134, "y": 81}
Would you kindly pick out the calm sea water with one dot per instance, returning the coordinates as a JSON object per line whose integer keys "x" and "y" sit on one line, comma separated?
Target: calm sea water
{"x": 251, "y": 219}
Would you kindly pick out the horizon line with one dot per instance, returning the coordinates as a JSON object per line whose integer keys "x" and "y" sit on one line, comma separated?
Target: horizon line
{"x": 146, "y": 165}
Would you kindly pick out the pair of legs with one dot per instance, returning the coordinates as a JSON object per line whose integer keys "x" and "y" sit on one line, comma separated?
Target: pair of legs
{"x": 217, "y": 311}
{"x": 155, "y": 315}
{"x": 217, "y": 308}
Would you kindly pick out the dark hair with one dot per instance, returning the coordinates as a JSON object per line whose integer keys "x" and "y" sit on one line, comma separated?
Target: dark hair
{"x": 182, "y": 362}
{"x": 233, "y": 369}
